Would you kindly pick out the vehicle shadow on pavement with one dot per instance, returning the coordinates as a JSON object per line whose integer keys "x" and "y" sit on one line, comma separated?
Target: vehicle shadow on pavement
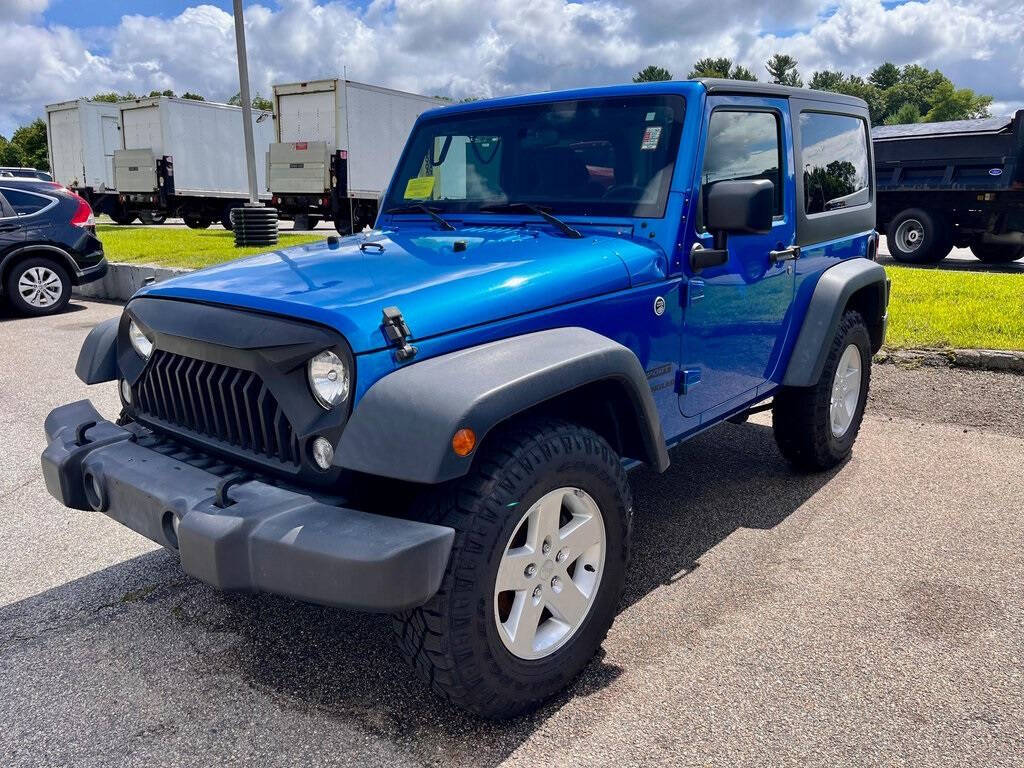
{"x": 175, "y": 667}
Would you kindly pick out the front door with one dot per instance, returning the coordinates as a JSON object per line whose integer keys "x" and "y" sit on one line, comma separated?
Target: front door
{"x": 737, "y": 314}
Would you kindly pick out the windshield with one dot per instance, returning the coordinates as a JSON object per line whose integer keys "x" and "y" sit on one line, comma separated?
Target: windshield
{"x": 600, "y": 157}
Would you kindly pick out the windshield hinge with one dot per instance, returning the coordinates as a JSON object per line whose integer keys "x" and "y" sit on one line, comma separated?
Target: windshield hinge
{"x": 396, "y": 331}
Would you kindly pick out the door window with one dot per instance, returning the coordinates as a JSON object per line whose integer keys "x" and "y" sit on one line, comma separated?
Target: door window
{"x": 743, "y": 146}
{"x": 26, "y": 203}
{"x": 835, "y": 162}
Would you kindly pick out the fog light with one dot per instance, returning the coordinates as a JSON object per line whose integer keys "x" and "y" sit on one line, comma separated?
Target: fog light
{"x": 126, "y": 391}
{"x": 323, "y": 453}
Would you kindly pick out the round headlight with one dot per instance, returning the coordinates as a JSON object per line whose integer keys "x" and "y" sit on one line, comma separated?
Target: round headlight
{"x": 140, "y": 342}
{"x": 328, "y": 378}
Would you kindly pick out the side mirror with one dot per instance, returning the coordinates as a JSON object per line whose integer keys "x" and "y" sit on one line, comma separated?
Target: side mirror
{"x": 734, "y": 207}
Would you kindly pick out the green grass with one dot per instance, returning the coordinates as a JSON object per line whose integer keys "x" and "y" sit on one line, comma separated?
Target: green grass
{"x": 174, "y": 247}
{"x": 955, "y": 309}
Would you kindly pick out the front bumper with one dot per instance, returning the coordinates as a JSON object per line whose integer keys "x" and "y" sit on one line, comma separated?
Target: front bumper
{"x": 264, "y": 538}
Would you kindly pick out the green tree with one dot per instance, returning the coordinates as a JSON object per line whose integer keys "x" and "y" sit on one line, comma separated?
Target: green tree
{"x": 827, "y": 80}
{"x": 782, "y": 70}
{"x": 952, "y": 103}
{"x": 652, "y": 74}
{"x": 31, "y": 141}
{"x": 908, "y": 113}
{"x": 192, "y": 96}
{"x": 168, "y": 92}
{"x": 720, "y": 67}
{"x": 11, "y": 154}
{"x": 884, "y": 76}
{"x": 258, "y": 102}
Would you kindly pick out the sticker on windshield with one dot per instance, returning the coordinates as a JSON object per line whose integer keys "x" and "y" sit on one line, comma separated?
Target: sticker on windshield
{"x": 419, "y": 188}
{"x": 652, "y": 135}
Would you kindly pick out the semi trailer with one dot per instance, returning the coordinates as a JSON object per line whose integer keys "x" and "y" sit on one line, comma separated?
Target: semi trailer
{"x": 181, "y": 157}
{"x": 336, "y": 145}
{"x": 958, "y": 183}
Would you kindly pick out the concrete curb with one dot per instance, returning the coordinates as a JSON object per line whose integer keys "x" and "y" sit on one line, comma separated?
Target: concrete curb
{"x": 123, "y": 280}
{"x": 979, "y": 359}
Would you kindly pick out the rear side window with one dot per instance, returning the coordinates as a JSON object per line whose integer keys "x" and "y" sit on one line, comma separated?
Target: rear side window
{"x": 835, "y": 162}
{"x": 25, "y": 203}
{"x": 743, "y": 145}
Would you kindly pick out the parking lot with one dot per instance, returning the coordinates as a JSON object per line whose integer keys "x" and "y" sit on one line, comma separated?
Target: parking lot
{"x": 872, "y": 615}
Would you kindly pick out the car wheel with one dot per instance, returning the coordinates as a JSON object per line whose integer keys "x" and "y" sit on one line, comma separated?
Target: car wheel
{"x": 917, "y": 236}
{"x": 537, "y": 568}
{"x": 38, "y": 287}
{"x": 993, "y": 253}
{"x": 815, "y": 427}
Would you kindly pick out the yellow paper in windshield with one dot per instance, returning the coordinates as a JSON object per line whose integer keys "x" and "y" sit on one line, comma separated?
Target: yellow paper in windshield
{"x": 419, "y": 188}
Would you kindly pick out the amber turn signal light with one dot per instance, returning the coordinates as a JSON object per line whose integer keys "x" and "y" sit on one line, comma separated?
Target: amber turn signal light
{"x": 463, "y": 442}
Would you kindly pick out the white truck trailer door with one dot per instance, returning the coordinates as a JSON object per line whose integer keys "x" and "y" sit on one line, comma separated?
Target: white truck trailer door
{"x": 111, "y": 136}
{"x": 66, "y": 145}
{"x": 307, "y": 116}
{"x": 142, "y": 129}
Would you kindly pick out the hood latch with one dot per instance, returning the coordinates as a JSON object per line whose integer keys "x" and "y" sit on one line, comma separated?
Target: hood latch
{"x": 396, "y": 331}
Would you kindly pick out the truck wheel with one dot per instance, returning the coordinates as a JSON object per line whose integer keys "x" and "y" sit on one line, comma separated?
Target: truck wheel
{"x": 122, "y": 217}
{"x": 994, "y": 253}
{"x": 815, "y": 426}
{"x": 542, "y": 541}
{"x": 225, "y": 219}
{"x": 197, "y": 221}
{"x": 917, "y": 236}
{"x": 38, "y": 287}
{"x": 152, "y": 217}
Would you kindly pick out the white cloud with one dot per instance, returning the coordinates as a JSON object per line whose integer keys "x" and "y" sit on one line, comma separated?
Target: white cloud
{"x": 462, "y": 47}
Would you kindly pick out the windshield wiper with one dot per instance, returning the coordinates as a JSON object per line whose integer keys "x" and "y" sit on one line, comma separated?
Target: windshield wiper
{"x": 419, "y": 207}
{"x": 566, "y": 229}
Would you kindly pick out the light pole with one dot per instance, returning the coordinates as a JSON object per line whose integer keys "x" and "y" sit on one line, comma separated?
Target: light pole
{"x": 254, "y": 223}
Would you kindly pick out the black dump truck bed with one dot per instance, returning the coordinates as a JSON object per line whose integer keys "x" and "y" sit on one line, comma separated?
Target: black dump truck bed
{"x": 985, "y": 155}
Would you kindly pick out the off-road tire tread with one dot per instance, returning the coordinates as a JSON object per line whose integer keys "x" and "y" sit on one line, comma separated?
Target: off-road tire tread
{"x": 462, "y": 505}
{"x": 800, "y": 415}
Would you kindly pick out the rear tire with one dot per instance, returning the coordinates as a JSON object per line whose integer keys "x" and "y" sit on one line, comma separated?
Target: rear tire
{"x": 917, "y": 236}
{"x": 123, "y": 217}
{"x": 225, "y": 219}
{"x": 197, "y": 221}
{"x": 541, "y": 482}
{"x": 152, "y": 217}
{"x": 993, "y": 253}
{"x": 38, "y": 287}
{"x": 815, "y": 427}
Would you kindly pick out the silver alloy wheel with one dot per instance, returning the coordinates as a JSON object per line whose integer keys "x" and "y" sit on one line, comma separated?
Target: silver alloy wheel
{"x": 845, "y": 391}
{"x": 909, "y": 235}
{"x": 40, "y": 287}
{"x": 549, "y": 574}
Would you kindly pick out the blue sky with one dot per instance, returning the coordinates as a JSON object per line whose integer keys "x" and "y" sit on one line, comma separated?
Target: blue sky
{"x": 56, "y": 50}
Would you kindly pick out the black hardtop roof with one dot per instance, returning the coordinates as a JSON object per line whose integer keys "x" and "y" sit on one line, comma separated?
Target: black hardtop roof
{"x": 754, "y": 88}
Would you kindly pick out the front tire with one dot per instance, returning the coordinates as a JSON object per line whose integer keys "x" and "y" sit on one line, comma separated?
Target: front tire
{"x": 38, "y": 287}
{"x": 197, "y": 221}
{"x": 815, "y": 427}
{"x": 533, "y": 584}
{"x": 917, "y": 236}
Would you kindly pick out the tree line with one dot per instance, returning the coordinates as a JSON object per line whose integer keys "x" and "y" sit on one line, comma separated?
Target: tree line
{"x": 894, "y": 94}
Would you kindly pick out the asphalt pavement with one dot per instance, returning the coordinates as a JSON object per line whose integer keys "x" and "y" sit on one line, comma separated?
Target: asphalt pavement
{"x": 872, "y": 615}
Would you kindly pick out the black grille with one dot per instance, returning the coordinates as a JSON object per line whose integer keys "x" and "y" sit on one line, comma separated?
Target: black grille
{"x": 227, "y": 404}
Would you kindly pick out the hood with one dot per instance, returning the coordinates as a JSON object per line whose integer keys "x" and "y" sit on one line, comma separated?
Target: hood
{"x": 502, "y": 271}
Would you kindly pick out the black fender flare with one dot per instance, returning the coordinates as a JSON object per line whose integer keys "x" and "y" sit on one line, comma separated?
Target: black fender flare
{"x": 97, "y": 360}
{"x": 66, "y": 259}
{"x": 403, "y": 426}
{"x": 831, "y": 296}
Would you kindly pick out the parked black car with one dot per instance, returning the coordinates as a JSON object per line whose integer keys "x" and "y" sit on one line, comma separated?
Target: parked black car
{"x": 47, "y": 244}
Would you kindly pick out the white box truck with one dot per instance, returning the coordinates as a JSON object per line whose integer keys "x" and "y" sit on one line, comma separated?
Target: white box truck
{"x": 337, "y": 144}
{"x": 182, "y": 157}
{"x": 82, "y": 137}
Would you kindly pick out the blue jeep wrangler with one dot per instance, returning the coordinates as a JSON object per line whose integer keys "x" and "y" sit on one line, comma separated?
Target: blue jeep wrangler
{"x": 435, "y": 418}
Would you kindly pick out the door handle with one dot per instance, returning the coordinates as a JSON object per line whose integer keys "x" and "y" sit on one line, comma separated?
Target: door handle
{"x": 786, "y": 254}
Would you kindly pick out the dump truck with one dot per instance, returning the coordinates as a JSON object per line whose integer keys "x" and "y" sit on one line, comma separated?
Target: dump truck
{"x": 957, "y": 183}
{"x": 181, "y": 157}
{"x": 337, "y": 143}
